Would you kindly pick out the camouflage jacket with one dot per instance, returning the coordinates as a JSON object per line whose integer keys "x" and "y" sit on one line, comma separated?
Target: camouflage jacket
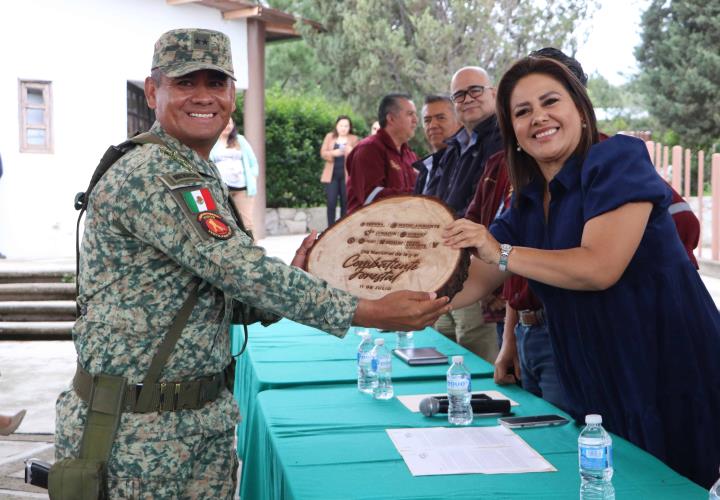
{"x": 145, "y": 244}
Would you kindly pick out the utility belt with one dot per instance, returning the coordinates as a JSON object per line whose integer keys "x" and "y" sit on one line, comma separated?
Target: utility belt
{"x": 163, "y": 396}
{"x": 528, "y": 317}
{"x": 108, "y": 396}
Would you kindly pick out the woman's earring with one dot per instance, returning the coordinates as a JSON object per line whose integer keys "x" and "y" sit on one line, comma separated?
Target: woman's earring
{"x": 584, "y": 125}
{"x": 518, "y": 147}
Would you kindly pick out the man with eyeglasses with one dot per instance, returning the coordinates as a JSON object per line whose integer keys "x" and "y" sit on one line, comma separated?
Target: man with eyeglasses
{"x": 455, "y": 180}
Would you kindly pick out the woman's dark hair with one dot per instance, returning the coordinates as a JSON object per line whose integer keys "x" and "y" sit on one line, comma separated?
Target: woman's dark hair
{"x": 522, "y": 168}
{"x": 232, "y": 140}
{"x": 342, "y": 117}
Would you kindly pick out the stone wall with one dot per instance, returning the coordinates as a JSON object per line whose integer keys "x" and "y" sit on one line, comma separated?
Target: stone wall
{"x": 279, "y": 221}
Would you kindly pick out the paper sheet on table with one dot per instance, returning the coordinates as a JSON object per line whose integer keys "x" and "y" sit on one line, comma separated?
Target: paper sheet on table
{"x": 434, "y": 451}
{"x": 412, "y": 402}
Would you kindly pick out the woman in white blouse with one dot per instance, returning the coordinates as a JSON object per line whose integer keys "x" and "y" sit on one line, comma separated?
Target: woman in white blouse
{"x": 238, "y": 168}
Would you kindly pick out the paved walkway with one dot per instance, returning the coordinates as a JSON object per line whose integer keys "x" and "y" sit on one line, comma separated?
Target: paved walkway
{"x": 35, "y": 372}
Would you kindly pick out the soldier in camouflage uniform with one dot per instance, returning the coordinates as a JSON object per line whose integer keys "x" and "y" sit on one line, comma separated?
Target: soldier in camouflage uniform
{"x": 157, "y": 223}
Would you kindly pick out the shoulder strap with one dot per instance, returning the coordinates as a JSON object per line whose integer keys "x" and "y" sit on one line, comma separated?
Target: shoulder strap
{"x": 163, "y": 353}
{"x": 112, "y": 155}
{"x": 107, "y": 393}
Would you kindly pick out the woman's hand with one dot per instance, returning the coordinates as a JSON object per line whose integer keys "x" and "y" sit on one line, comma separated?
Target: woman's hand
{"x": 301, "y": 254}
{"x": 463, "y": 233}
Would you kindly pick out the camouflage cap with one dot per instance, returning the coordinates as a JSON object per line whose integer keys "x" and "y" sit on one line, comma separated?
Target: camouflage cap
{"x": 182, "y": 51}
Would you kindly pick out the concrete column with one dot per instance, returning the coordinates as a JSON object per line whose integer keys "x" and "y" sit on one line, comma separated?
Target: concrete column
{"x": 254, "y": 114}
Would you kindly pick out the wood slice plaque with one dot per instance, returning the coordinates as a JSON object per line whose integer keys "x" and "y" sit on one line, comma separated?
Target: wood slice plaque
{"x": 392, "y": 244}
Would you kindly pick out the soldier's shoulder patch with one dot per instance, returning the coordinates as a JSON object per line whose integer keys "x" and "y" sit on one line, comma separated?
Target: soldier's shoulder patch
{"x": 215, "y": 225}
{"x": 180, "y": 180}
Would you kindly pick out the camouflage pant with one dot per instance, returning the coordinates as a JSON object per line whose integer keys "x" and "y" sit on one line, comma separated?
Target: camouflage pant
{"x": 197, "y": 466}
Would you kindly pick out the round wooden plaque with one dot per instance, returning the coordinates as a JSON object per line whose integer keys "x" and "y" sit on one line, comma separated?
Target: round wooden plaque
{"x": 392, "y": 244}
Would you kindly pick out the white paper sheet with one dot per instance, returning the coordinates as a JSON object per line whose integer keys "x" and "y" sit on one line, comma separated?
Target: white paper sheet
{"x": 412, "y": 402}
{"x": 466, "y": 450}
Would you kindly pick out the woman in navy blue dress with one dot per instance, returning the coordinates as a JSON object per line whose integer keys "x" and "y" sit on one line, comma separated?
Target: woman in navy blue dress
{"x": 634, "y": 332}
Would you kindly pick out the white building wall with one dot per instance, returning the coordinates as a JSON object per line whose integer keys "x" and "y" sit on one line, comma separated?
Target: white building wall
{"x": 88, "y": 49}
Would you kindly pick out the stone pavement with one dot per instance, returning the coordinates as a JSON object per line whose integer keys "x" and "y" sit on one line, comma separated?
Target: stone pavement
{"x": 33, "y": 373}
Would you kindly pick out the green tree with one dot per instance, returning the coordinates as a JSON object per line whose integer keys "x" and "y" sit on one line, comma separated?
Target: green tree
{"x": 372, "y": 47}
{"x": 295, "y": 126}
{"x": 293, "y": 66}
{"x": 604, "y": 94}
{"x": 679, "y": 57}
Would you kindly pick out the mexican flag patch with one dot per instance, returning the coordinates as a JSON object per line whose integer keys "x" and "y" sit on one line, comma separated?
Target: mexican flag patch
{"x": 199, "y": 201}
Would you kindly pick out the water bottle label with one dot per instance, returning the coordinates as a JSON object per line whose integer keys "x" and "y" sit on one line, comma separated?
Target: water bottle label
{"x": 595, "y": 458}
{"x": 385, "y": 364}
{"x": 374, "y": 364}
{"x": 458, "y": 384}
{"x": 365, "y": 358}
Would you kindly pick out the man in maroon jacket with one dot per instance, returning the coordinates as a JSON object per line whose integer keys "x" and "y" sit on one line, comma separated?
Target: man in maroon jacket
{"x": 381, "y": 165}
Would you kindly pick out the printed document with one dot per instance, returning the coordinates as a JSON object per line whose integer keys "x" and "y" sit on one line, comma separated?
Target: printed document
{"x": 435, "y": 451}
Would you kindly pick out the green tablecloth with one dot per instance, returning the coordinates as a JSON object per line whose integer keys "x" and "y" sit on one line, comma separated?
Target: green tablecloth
{"x": 329, "y": 442}
{"x": 289, "y": 354}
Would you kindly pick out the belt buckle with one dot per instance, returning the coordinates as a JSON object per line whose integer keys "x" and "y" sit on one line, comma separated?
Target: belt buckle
{"x": 164, "y": 405}
{"x": 528, "y": 317}
{"x": 169, "y": 403}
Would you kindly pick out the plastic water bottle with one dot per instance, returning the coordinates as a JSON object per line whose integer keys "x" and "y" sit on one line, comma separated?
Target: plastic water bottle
{"x": 405, "y": 340}
{"x": 715, "y": 491}
{"x": 382, "y": 370}
{"x": 459, "y": 390}
{"x": 596, "y": 463}
{"x": 365, "y": 379}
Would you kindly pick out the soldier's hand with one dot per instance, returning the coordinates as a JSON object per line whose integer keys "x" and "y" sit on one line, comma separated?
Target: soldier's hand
{"x": 401, "y": 311}
{"x": 300, "y": 259}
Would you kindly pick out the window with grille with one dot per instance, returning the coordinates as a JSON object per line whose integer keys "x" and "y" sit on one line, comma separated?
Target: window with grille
{"x": 139, "y": 117}
{"x": 35, "y": 117}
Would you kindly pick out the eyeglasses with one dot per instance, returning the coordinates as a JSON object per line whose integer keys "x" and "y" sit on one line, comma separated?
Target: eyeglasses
{"x": 473, "y": 91}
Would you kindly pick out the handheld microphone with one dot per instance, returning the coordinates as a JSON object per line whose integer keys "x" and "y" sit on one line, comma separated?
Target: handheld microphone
{"x": 432, "y": 406}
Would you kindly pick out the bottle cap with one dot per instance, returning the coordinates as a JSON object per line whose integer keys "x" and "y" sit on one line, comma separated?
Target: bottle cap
{"x": 593, "y": 419}
{"x": 379, "y": 341}
{"x": 364, "y": 334}
{"x": 458, "y": 360}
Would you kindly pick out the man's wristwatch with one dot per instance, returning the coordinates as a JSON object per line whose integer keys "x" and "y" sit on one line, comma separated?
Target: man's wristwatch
{"x": 505, "y": 250}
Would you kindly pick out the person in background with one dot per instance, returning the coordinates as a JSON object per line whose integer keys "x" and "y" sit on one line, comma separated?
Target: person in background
{"x": 381, "y": 164}
{"x": 335, "y": 148}
{"x": 9, "y": 424}
{"x": 634, "y": 331}
{"x": 374, "y": 127}
{"x": 526, "y": 352}
{"x": 455, "y": 180}
{"x": 439, "y": 124}
{"x": 238, "y": 168}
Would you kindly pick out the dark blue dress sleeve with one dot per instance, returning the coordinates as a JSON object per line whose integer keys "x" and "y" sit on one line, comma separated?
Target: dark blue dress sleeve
{"x": 619, "y": 171}
{"x": 504, "y": 227}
